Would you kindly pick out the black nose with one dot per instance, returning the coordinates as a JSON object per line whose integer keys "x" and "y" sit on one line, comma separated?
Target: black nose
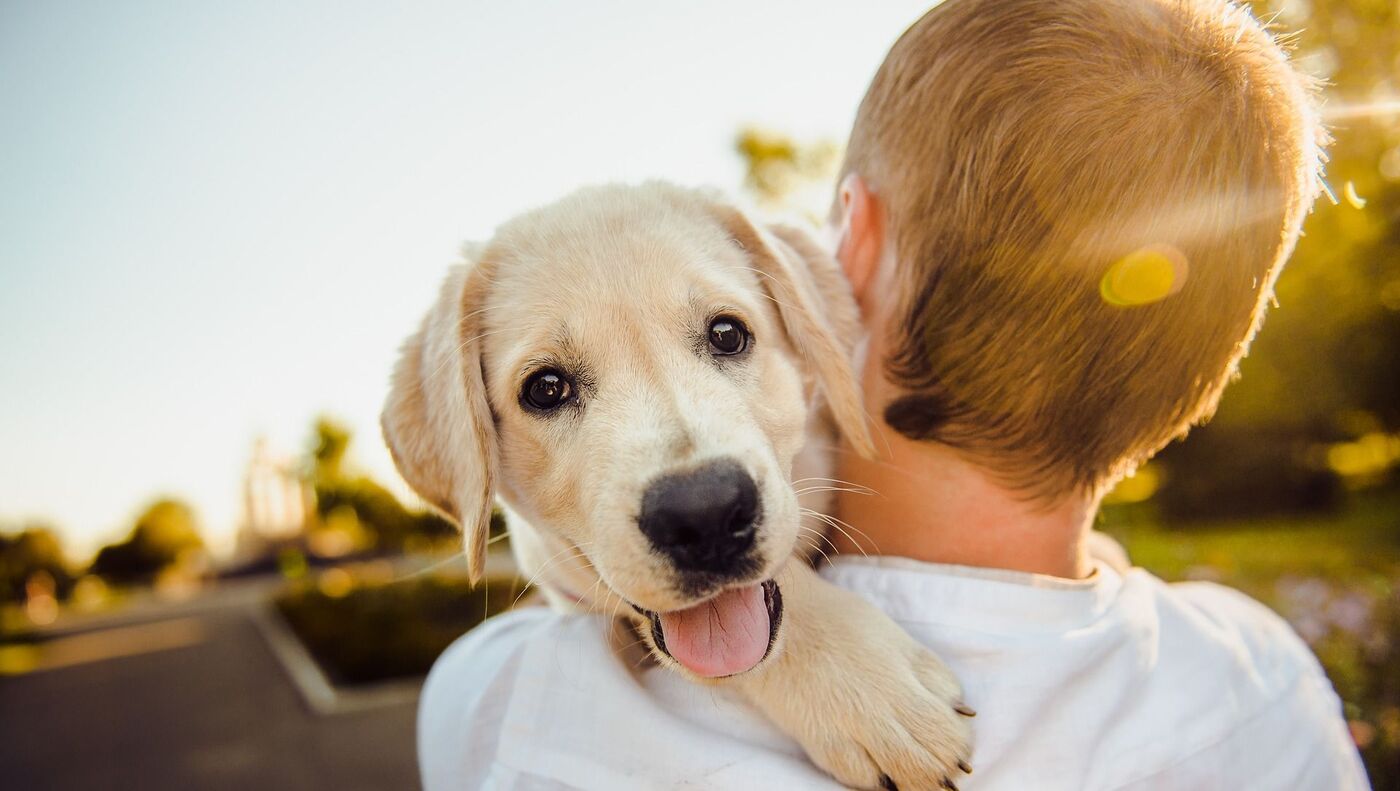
{"x": 704, "y": 519}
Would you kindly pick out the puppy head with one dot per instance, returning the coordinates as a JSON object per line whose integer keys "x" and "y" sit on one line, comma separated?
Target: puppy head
{"x": 630, "y": 369}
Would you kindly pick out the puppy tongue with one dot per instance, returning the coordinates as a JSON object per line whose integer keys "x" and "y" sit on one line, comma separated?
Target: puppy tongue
{"x": 720, "y": 637}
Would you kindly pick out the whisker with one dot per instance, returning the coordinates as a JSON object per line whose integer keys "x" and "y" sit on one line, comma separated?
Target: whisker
{"x": 646, "y": 656}
{"x": 812, "y": 544}
{"x": 850, "y": 526}
{"x": 836, "y": 481}
{"x": 430, "y": 568}
{"x": 811, "y": 489}
{"x": 778, "y": 283}
{"x": 837, "y": 524}
{"x": 592, "y": 599}
{"x": 824, "y": 478}
{"x": 821, "y": 535}
{"x": 577, "y": 553}
{"x": 457, "y": 351}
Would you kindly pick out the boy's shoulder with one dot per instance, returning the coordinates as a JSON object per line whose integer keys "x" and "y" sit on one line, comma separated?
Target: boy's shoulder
{"x": 1246, "y": 697}
{"x": 1252, "y": 631}
{"x": 1127, "y": 683}
{"x": 1232, "y": 627}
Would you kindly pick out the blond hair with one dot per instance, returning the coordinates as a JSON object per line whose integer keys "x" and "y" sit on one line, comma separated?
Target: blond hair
{"x": 1021, "y": 150}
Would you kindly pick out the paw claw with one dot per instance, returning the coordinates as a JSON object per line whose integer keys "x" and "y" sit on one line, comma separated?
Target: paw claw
{"x": 912, "y": 734}
{"x": 965, "y": 766}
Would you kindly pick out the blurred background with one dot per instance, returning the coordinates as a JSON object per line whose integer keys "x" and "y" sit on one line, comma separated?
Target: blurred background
{"x": 220, "y": 220}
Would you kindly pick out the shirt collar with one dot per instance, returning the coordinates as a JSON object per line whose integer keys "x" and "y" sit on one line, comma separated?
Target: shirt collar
{"x": 978, "y": 599}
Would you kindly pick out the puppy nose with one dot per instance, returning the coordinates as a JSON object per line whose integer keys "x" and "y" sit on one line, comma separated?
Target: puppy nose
{"x": 704, "y": 519}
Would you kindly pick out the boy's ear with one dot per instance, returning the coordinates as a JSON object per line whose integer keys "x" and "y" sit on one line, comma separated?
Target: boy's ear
{"x": 862, "y": 235}
{"x": 817, "y": 312}
{"x": 437, "y": 422}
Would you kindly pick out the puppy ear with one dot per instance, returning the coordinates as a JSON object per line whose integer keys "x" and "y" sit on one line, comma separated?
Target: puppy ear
{"x": 437, "y": 422}
{"x": 817, "y": 310}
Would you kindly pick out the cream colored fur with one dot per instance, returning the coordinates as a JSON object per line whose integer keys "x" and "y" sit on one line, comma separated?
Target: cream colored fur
{"x": 617, "y": 284}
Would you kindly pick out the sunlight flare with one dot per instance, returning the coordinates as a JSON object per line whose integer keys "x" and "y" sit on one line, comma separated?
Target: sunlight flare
{"x": 1348, "y": 111}
{"x": 1146, "y": 275}
{"x": 1349, "y": 192}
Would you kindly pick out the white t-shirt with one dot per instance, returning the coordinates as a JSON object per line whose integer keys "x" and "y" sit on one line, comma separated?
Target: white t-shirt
{"x": 1116, "y": 682}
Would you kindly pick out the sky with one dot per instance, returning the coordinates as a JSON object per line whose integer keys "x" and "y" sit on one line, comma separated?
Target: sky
{"x": 220, "y": 220}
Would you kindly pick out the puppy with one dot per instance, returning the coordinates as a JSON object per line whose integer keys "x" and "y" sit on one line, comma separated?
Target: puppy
{"x": 651, "y": 384}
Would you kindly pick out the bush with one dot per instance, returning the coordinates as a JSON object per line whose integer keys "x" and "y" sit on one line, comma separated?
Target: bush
{"x": 393, "y": 526}
{"x": 165, "y": 531}
{"x": 1222, "y": 472}
{"x": 362, "y": 633}
{"x": 34, "y": 553}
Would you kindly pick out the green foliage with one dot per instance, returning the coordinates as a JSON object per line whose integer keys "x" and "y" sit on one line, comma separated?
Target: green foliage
{"x": 1326, "y": 368}
{"x": 164, "y": 532}
{"x": 374, "y": 632}
{"x": 392, "y": 526}
{"x": 780, "y": 172}
{"x": 36, "y": 550}
{"x": 1244, "y": 472}
{"x": 330, "y": 441}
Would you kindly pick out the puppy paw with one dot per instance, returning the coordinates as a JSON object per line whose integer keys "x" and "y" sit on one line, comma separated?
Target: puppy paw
{"x": 908, "y": 730}
{"x": 870, "y": 706}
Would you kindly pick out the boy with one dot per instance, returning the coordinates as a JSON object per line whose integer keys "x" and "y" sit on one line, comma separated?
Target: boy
{"x": 1062, "y": 221}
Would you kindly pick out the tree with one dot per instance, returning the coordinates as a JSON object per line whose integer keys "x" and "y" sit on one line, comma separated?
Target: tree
{"x": 783, "y": 173}
{"x": 1326, "y": 368}
{"x": 376, "y": 509}
{"x": 164, "y": 532}
{"x": 330, "y": 441}
{"x": 36, "y": 550}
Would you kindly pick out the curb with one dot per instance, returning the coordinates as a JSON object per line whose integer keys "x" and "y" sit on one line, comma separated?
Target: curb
{"x": 320, "y": 696}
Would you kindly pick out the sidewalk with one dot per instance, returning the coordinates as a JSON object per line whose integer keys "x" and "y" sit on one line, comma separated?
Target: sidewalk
{"x": 202, "y": 704}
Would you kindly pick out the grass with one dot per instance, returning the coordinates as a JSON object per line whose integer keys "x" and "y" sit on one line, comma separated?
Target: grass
{"x": 1360, "y": 545}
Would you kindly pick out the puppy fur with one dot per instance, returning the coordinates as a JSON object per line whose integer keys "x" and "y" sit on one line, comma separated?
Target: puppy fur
{"x": 615, "y": 285}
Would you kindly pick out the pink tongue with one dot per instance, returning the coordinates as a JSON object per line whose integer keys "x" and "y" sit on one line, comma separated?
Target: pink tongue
{"x": 723, "y": 636}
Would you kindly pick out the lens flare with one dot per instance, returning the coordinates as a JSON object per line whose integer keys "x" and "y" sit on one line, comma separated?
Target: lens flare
{"x": 1349, "y": 192}
{"x": 1350, "y": 110}
{"x": 1146, "y": 275}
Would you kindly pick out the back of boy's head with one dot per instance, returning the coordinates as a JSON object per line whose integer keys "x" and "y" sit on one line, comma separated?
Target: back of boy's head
{"x": 1089, "y": 202}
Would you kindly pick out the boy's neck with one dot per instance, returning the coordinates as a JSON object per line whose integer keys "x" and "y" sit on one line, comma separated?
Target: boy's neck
{"x": 930, "y": 504}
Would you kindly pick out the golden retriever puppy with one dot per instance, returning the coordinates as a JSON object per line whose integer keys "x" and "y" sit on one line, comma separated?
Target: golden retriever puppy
{"x": 652, "y": 386}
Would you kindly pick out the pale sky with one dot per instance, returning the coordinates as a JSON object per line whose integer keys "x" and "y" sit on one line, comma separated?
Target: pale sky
{"x": 219, "y": 220}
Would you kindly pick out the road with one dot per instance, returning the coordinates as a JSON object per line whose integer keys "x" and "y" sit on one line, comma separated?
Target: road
{"x": 193, "y": 700}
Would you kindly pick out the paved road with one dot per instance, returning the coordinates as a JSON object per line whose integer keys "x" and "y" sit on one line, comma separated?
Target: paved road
{"x": 214, "y": 712}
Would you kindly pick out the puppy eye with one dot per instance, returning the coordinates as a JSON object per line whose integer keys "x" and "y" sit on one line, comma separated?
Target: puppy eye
{"x": 546, "y": 390}
{"x": 728, "y": 336}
